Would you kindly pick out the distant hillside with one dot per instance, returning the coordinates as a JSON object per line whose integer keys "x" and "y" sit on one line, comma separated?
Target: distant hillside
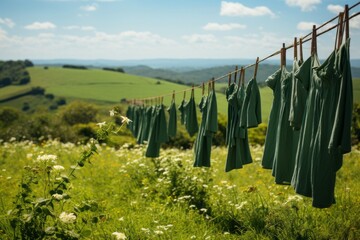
{"x": 201, "y": 75}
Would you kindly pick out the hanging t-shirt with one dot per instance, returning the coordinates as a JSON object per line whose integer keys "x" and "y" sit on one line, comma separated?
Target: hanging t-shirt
{"x": 332, "y": 110}
{"x": 182, "y": 110}
{"x": 172, "y": 120}
{"x": 157, "y": 133}
{"x": 299, "y": 95}
{"x": 191, "y": 123}
{"x": 238, "y": 146}
{"x": 208, "y": 127}
{"x": 286, "y": 138}
{"x": 274, "y": 82}
{"x": 252, "y": 105}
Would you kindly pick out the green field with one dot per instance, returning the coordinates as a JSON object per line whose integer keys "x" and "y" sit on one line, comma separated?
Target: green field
{"x": 101, "y": 86}
{"x": 165, "y": 198}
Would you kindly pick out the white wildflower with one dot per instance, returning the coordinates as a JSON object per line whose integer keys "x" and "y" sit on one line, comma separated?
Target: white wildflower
{"x": 112, "y": 113}
{"x": 119, "y": 235}
{"x": 101, "y": 124}
{"x": 125, "y": 120}
{"x": 29, "y": 155}
{"x": 293, "y": 198}
{"x": 121, "y": 219}
{"x": 241, "y": 205}
{"x": 12, "y": 139}
{"x": 203, "y": 210}
{"x": 67, "y": 217}
{"x": 158, "y": 232}
{"x": 58, "y": 168}
{"x": 193, "y": 237}
{"x": 46, "y": 158}
{"x": 58, "y": 196}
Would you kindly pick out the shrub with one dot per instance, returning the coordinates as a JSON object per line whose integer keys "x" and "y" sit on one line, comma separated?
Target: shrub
{"x": 61, "y": 101}
{"x": 49, "y": 96}
{"x": 79, "y": 112}
{"x": 8, "y": 115}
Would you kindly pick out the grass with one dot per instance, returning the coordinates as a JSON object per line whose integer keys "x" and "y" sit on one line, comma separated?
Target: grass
{"x": 166, "y": 198}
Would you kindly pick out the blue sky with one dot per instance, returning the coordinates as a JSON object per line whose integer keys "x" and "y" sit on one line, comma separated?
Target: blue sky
{"x": 145, "y": 29}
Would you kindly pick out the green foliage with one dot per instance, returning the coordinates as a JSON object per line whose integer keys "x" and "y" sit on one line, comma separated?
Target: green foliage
{"x": 14, "y": 73}
{"x": 79, "y": 112}
{"x": 355, "y": 130}
{"x": 8, "y": 115}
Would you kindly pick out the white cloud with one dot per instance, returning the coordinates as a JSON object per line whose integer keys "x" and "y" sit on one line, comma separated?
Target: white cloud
{"x": 238, "y": 9}
{"x": 40, "y": 26}
{"x": 355, "y": 23}
{"x": 200, "y": 38}
{"x": 305, "y": 5}
{"x": 305, "y": 26}
{"x": 335, "y": 8}
{"x": 223, "y": 27}
{"x": 89, "y": 8}
{"x": 7, "y": 22}
{"x": 83, "y": 28}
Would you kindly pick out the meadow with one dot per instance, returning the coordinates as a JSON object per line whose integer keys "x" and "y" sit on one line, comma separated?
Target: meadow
{"x": 122, "y": 192}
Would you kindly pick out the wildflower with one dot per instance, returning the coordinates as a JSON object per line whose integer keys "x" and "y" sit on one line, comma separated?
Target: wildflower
{"x": 119, "y": 235}
{"x": 112, "y": 113}
{"x": 101, "y": 124}
{"x": 46, "y": 158}
{"x": 203, "y": 210}
{"x": 158, "y": 232}
{"x": 29, "y": 155}
{"x": 58, "y": 168}
{"x": 12, "y": 139}
{"x": 58, "y": 196}
{"x": 67, "y": 217}
{"x": 125, "y": 120}
{"x": 121, "y": 219}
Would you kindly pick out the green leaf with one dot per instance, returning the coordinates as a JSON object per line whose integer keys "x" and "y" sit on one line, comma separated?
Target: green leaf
{"x": 95, "y": 220}
{"x": 86, "y": 233}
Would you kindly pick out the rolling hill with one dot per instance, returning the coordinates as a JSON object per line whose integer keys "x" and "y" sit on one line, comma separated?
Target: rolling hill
{"x": 101, "y": 86}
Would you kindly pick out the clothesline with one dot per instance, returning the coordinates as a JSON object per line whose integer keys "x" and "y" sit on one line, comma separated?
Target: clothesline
{"x": 302, "y": 40}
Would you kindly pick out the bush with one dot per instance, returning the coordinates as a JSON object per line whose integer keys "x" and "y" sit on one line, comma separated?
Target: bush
{"x": 61, "y": 101}
{"x": 8, "y": 115}
{"x": 355, "y": 130}
{"x": 49, "y": 96}
{"x": 79, "y": 112}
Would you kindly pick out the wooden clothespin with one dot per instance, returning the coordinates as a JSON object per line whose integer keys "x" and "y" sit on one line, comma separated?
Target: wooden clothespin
{"x": 301, "y": 50}
{"x": 235, "y": 75}
{"x": 295, "y": 48}
{"x": 173, "y": 95}
{"x": 203, "y": 89}
{"x": 346, "y": 13}
{"x": 314, "y": 41}
{"x": 229, "y": 80}
{"x": 192, "y": 91}
{"x": 242, "y": 76}
{"x": 283, "y": 56}
{"x": 184, "y": 94}
{"x": 213, "y": 84}
{"x": 256, "y": 67}
{"x": 339, "y": 31}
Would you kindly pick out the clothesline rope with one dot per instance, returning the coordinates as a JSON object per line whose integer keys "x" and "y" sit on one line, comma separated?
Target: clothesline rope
{"x": 304, "y": 39}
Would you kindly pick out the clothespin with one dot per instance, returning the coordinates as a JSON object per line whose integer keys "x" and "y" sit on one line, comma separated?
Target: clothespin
{"x": 283, "y": 56}
{"x": 209, "y": 86}
{"x": 173, "y": 95}
{"x": 314, "y": 41}
{"x": 229, "y": 80}
{"x": 242, "y": 76}
{"x": 235, "y": 75}
{"x": 213, "y": 83}
{"x": 301, "y": 50}
{"x": 256, "y": 67}
{"x": 203, "y": 89}
{"x": 192, "y": 91}
{"x": 339, "y": 31}
{"x": 162, "y": 99}
{"x": 346, "y": 12}
{"x": 184, "y": 94}
{"x": 295, "y": 48}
